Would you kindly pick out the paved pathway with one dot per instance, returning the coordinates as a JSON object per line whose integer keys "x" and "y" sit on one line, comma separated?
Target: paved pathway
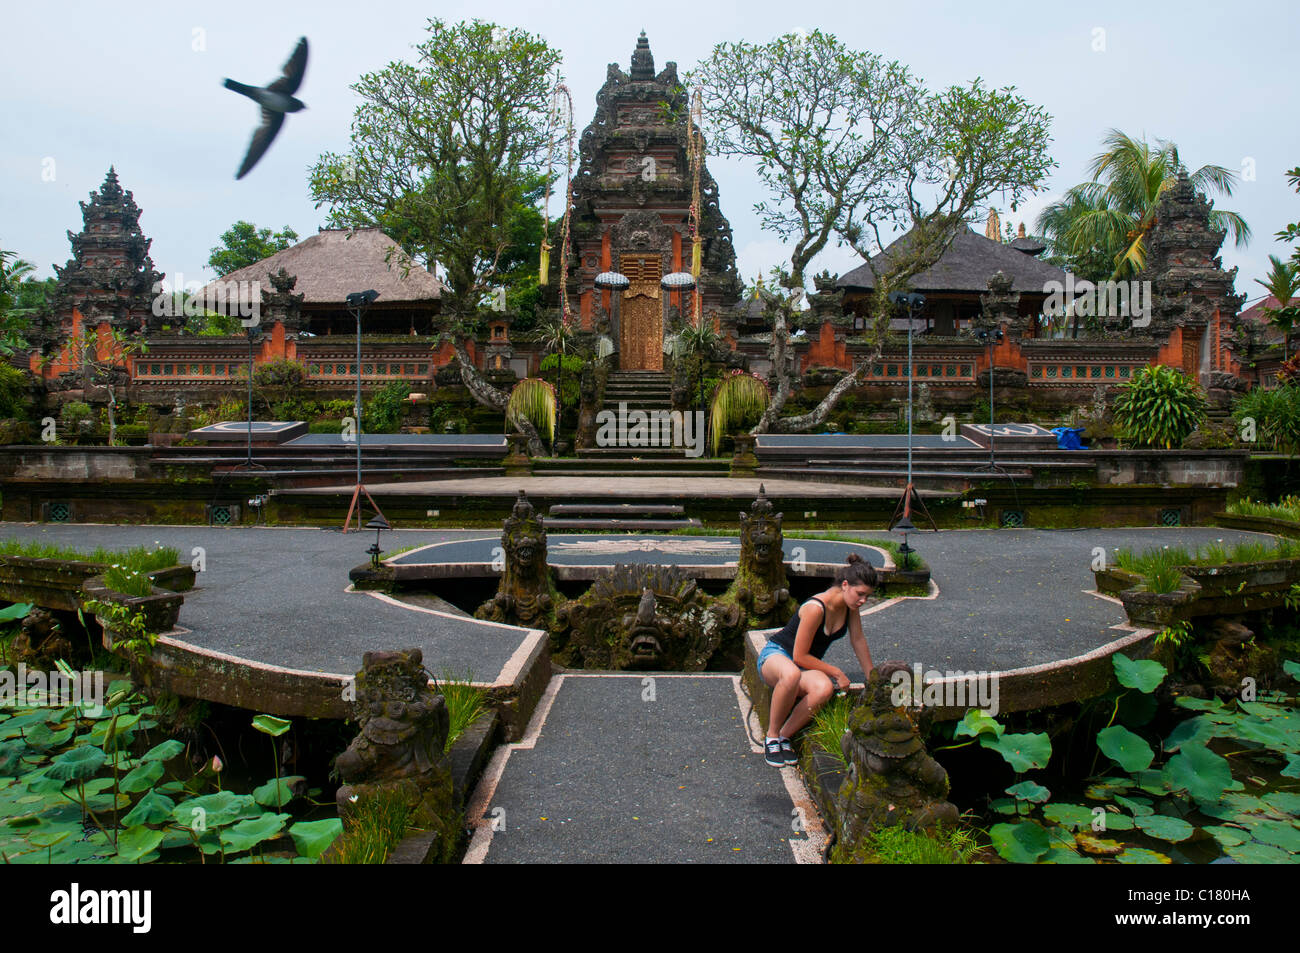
{"x": 596, "y": 488}
{"x": 671, "y": 776}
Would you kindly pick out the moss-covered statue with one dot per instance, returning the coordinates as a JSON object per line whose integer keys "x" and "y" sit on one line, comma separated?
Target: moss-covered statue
{"x": 648, "y": 618}
{"x": 891, "y": 780}
{"x": 761, "y": 587}
{"x": 525, "y": 595}
{"x": 403, "y": 731}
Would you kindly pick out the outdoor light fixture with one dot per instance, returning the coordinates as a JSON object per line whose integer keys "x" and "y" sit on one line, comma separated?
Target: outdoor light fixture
{"x": 914, "y": 303}
{"x": 905, "y": 526}
{"x": 357, "y": 302}
{"x": 378, "y": 524}
{"x": 990, "y": 338}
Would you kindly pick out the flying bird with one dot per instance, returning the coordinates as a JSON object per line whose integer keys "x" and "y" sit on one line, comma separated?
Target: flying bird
{"x": 275, "y": 100}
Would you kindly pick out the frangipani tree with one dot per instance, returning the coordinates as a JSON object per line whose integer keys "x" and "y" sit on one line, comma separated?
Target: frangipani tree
{"x": 852, "y": 147}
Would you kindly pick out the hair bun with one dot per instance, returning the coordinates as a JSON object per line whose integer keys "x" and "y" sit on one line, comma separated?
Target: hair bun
{"x": 853, "y": 558}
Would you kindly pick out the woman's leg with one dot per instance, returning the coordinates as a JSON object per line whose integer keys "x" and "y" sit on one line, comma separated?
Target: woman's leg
{"x": 814, "y": 689}
{"x": 784, "y": 677}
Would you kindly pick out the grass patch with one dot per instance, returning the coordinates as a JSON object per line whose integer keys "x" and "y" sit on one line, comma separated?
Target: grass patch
{"x": 137, "y": 558}
{"x": 829, "y": 725}
{"x": 895, "y": 845}
{"x": 1161, "y": 568}
{"x": 378, "y": 825}
{"x": 128, "y": 582}
{"x": 465, "y": 702}
{"x": 1288, "y": 508}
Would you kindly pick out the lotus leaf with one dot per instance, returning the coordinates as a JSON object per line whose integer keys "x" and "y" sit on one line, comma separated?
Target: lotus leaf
{"x": 216, "y": 810}
{"x": 1005, "y": 806}
{"x": 1074, "y": 816}
{"x": 1198, "y": 704}
{"x": 143, "y": 777}
{"x": 1022, "y": 751}
{"x": 1165, "y": 827}
{"x": 163, "y": 752}
{"x": 269, "y": 724}
{"x": 1227, "y": 836}
{"x": 1277, "y": 834}
{"x": 1196, "y": 728}
{"x": 1129, "y": 751}
{"x": 1097, "y": 845}
{"x": 1255, "y": 853}
{"x": 246, "y": 834}
{"x": 79, "y": 764}
{"x": 1292, "y": 769}
{"x": 1145, "y": 676}
{"x": 134, "y": 842}
{"x": 1286, "y": 801}
{"x": 266, "y": 794}
{"x": 16, "y": 611}
{"x": 977, "y": 722}
{"x": 1029, "y": 791}
{"x": 1137, "y": 806}
{"x": 1064, "y": 855}
{"x": 1105, "y": 790}
{"x": 1200, "y": 771}
{"x": 313, "y": 837}
{"x": 1140, "y": 855}
{"x": 153, "y": 808}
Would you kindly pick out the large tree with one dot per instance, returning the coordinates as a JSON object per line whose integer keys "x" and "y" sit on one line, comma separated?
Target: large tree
{"x": 1101, "y": 225}
{"x": 852, "y": 148}
{"x": 14, "y": 274}
{"x": 245, "y": 244}
{"x": 446, "y": 153}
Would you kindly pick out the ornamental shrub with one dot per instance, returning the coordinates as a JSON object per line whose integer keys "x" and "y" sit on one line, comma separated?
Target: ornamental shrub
{"x": 1159, "y": 407}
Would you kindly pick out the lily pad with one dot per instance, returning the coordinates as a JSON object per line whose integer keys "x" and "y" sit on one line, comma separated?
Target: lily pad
{"x": 1137, "y": 806}
{"x": 1265, "y": 733}
{"x": 1021, "y": 751}
{"x": 134, "y": 842}
{"x": 1029, "y": 791}
{"x": 1070, "y": 815}
{"x": 1116, "y": 821}
{"x": 1256, "y": 853}
{"x": 977, "y": 722}
{"x": 1064, "y": 855}
{"x": 143, "y": 777}
{"x": 313, "y": 837}
{"x": 1153, "y": 782}
{"x": 1292, "y": 769}
{"x": 79, "y": 764}
{"x": 163, "y": 752}
{"x": 1196, "y": 728}
{"x": 1227, "y": 836}
{"x": 247, "y": 834}
{"x": 1097, "y": 845}
{"x": 1204, "y": 774}
{"x": 1198, "y": 704}
{"x": 1139, "y": 855}
{"x": 1145, "y": 675}
{"x": 270, "y": 725}
{"x": 266, "y": 794}
{"x": 1004, "y": 805}
{"x": 1287, "y": 801}
{"x": 1277, "y": 834}
{"x": 215, "y": 810}
{"x": 153, "y": 808}
{"x": 1165, "y": 827}
{"x": 1107, "y": 789}
{"x": 1129, "y": 751}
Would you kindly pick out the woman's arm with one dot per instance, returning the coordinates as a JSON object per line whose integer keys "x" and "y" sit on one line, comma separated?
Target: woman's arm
{"x": 859, "y": 642}
{"x": 808, "y": 623}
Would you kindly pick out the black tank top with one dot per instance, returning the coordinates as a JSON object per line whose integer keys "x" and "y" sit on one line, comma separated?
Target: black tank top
{"x": 821, "y": 641}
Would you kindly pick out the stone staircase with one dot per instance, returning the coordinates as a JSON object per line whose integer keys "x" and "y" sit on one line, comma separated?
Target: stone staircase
{"x": 618, "y": 517}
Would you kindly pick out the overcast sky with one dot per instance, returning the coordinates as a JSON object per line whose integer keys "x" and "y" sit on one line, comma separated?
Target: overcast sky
{"x": 138, "y": 86}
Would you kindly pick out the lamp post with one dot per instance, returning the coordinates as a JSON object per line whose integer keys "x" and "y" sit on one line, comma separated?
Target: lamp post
{"x": 989, "y": 337}
{"x": 252, "y": 332}
{"x": 357, "y": 302}
{"x": 914, "y": 303}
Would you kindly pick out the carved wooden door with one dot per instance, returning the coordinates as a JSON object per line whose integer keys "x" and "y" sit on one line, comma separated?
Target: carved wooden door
{"x": 641, "y": 322}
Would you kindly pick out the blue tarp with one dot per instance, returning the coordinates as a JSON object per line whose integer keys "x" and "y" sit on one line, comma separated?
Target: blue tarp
{"x": 1069, "y": 438}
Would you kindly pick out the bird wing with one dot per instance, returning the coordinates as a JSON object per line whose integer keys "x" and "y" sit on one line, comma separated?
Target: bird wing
{"x": 293, "y": 71}
{"x": 262, "y": 138}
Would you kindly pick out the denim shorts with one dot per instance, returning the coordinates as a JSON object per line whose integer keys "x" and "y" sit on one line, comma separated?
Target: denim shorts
{"x": 772, "y": 648}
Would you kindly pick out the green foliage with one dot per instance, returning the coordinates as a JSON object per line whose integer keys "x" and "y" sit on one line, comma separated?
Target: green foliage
{"x": 377, "y": 825}
{"x": 828, "y": 727}
{"x": 245, "y": 244}
{"x": 1100, "y": 227}
{"x": 466, "y": 702}
{"x": 74, "y": 415}
{"x": 382, "y": 413}
{"x": 1276, "y": 415}
{"x": 739, "y": 399}
{"x": 128, "y": 582}
{"x": 446, "y": 153}
{"x": 1159, "y": 407}
{"x": 533, "y": 399}
{"x": 897, "y": 845}
{"x": 1287, "y": 508}
{"x": 1283, "y": 283}
{"x": 13, "y": 391}
{"x": 569, "y": 384}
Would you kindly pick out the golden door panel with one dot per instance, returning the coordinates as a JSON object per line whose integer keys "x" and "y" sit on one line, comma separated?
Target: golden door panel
{"x": 641, "y": 337}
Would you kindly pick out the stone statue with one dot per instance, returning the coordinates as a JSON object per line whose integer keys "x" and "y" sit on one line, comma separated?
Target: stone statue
{"x": 41, "y": 638}
{"x": 761, "y": 587}
{"x": 891, "y": 780}
{"x": 525, "y": 595}
{"x": 403, "y": 731}
{"x": 649, "y": 618}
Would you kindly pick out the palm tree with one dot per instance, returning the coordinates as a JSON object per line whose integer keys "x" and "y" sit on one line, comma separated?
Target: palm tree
{"x": 12, "y": 319}
{"x": 1111, "y": 215}
{"x": 556, "y": 337}
{"x": 1283, "y": 283}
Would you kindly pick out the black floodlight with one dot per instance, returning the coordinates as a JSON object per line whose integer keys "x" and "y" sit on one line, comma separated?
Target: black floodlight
{"x": 360, "y": 299}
